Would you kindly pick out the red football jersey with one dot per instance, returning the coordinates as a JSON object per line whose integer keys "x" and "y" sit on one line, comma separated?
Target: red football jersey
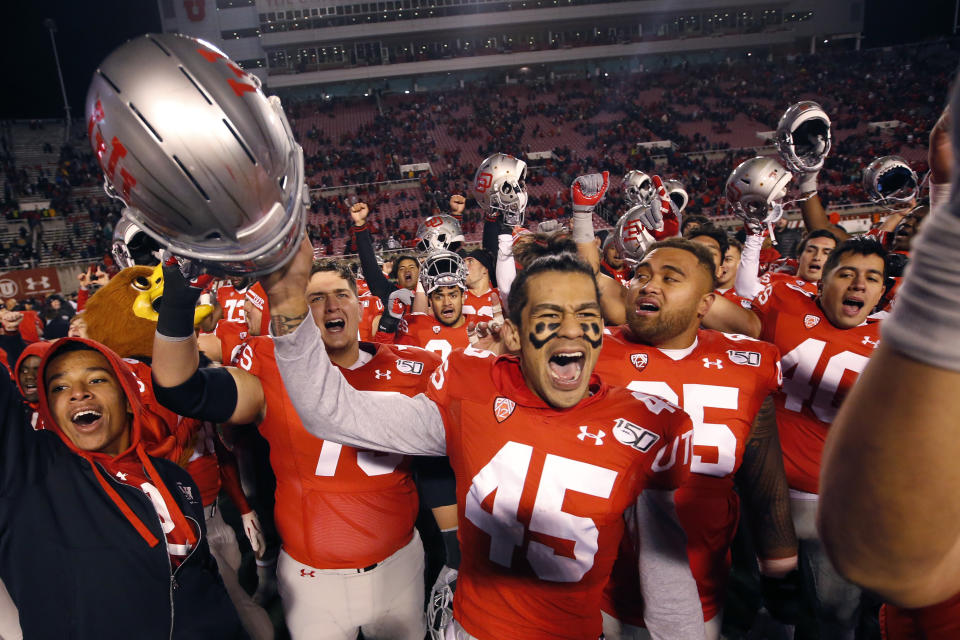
{"x": 339, "y": 507}
{"x": 363, "y": 289}
{"x": 721, "y": 384}
{"x": 370, "y": 308}
{"x": 479, "y": 305}
{"x": 792, "y": 280}
{"x": 541, "y": 492}
{"x": 425, "y": 331}
{"x": 936, "y": 622}
{"x": 731, "y": 295}
{"x": 231, "y": 299}
{"x": 820, "y": 365}
{"x": 231, "y": 336}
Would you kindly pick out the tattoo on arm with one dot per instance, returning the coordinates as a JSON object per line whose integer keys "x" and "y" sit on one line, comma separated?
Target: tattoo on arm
{"x": 763, "y": 485}
{"x": 281, "y": 325}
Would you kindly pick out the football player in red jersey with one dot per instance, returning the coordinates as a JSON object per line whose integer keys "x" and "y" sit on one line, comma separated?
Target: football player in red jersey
{"x": 721, "y": 380}
{"x": 547, "y": 458}
{"x": 813, "y": 252}
{"x": 481, "y": 297}
{"x": 888, "y": 512}
{"x": 443, "y": 279}
{"x": 825, "y": 342}
{"x": 351, "y": 559}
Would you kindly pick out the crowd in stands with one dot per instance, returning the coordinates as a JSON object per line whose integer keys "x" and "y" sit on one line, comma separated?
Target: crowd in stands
{"x": 710, "y": 114}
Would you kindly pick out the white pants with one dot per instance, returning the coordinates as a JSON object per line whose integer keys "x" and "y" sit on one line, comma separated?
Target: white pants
{"x": 386, "y": 602}
{"x": 614, "y": 629}
{"x": 9, "y": 617}
{"x": 223, "y": 546}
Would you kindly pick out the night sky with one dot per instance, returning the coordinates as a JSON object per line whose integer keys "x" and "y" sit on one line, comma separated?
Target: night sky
{"x": 87, "y": 30}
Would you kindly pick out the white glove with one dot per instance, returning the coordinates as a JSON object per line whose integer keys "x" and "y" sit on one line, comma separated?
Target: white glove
{"x": 251, "y": 527}
{"x": 399, "y": 301}
{"x": 440, "y": 605}
{"x": 588, "y": 190}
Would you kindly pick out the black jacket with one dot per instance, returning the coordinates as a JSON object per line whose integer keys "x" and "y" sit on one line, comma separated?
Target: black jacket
{"x": 74, "y": 565}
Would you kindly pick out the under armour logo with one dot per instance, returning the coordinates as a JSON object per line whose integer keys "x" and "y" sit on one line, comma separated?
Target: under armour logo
{"x": 707, "y": 363}
{"x": 868, "y": 341}
{"x": 597, "y": 437}
{"x": 43, "y": 283}
{"x": 122, "y": 475}
{"x": 307, "y": 574}
{"x": 383, "y": 374}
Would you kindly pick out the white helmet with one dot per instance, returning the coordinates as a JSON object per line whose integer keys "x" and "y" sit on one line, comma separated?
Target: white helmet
{"x": 755, "y": 189}
{"x": 500, "y": 185}
{"x": 131, "y": 246}
{"x": 443, "y": 269}
{"x": 803, "y": 137}
{"x": 630, "y": 236}
{"x": 438, "y": 233}
{"x": 207, "y": 163}
{"x": 890, "y": 182}
{"x": 678, "y": 195}
{"x": 637, "y": 188}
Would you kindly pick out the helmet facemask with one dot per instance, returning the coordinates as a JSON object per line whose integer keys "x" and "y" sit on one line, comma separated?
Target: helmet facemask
{"x": 443, "y": 269}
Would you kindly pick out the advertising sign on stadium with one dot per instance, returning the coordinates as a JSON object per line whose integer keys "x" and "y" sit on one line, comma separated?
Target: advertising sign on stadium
{"x": 28, "y": 283}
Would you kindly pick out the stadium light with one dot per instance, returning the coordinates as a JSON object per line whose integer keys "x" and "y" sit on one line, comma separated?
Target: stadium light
{"x": 52, "y": 27}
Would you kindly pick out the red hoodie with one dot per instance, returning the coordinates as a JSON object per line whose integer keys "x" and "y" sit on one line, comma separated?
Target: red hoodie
{"x": 38, "y": 349}
{"x": 133, "y": 465}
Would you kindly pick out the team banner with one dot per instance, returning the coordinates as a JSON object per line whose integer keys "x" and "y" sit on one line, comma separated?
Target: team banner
{"x": 27, "y": 283}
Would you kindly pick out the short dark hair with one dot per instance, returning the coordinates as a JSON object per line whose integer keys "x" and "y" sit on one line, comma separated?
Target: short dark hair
{"x": 703, "y": 255}
{"x": 714, "y": 232}
{"x": 857, "y": 245}
{"x": 735, "y": 243}
{"x": 816, "y": 233}
{"x": 695, "y": 219}
{"x": 339, "y": 267}
{"x": 565, "y": 262}
{"x": 396, "y": 263}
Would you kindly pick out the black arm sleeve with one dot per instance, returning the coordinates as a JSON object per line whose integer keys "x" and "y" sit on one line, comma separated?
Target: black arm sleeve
{"x": 379, "y": 284}
{"x": 14, "y": 345}
{"x": 209, "y": 394}
{"x": 435, "y": 481}
{"x": 491, "y": 229}
{"x": 18, "y": 452}
{"x": 763, "y": 485}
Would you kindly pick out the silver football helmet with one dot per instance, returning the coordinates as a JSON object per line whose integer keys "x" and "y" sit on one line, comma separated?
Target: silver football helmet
{"x": 131, "y": 246}
{"x": 677, "y": 194}
{"x": 440, "y": 232}
{"x": 630, "y": 235}
{"x": 637, "y": 188}
{"x": 756, "y": 188}
{"x": 803, "y": 137}
{"x": 205, "y": 161}
{"x": 890, "y": 182}
{"x": 443, "y": 269}
{"x": 500, "y": 185}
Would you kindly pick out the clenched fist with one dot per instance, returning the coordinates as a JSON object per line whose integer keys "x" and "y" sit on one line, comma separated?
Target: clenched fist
{"x": 359, "y": 213}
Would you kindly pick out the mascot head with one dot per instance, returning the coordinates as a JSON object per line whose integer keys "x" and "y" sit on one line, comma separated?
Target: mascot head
{"x": 123, "y": 314}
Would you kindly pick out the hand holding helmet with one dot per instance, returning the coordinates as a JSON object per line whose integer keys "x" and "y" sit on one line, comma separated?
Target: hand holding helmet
{"x": 891, "y": 183}
{"x": 756, "y": 188}
{"x": 500, "y": 188}
{"x": 803, "y": 140}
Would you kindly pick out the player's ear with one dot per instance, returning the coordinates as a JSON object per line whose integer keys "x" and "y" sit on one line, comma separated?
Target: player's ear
{"x": 511, "y": 336}
{"x": 705, "y": 303}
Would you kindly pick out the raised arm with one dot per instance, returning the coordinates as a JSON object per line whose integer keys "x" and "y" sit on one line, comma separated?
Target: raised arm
{"x": 815, "y": 217}
{"x": 379, "y": 284}
{"x": 730, "y": 317}
{"x": 889, "y": 516}
{"x": 218, "y": 394}
{"x": 328, "y": 406}
{"x": 747, "y": 283}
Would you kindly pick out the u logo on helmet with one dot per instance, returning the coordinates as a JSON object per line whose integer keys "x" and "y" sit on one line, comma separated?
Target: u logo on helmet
{"x": 239, "y": 88}
{"x": 484, "y": 180}
{"x": 434, "y": 221}
{"x": 633, "y": 231}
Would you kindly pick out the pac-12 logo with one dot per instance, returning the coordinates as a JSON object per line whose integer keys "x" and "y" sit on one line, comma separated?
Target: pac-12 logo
{"x": 484, "y": 180}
